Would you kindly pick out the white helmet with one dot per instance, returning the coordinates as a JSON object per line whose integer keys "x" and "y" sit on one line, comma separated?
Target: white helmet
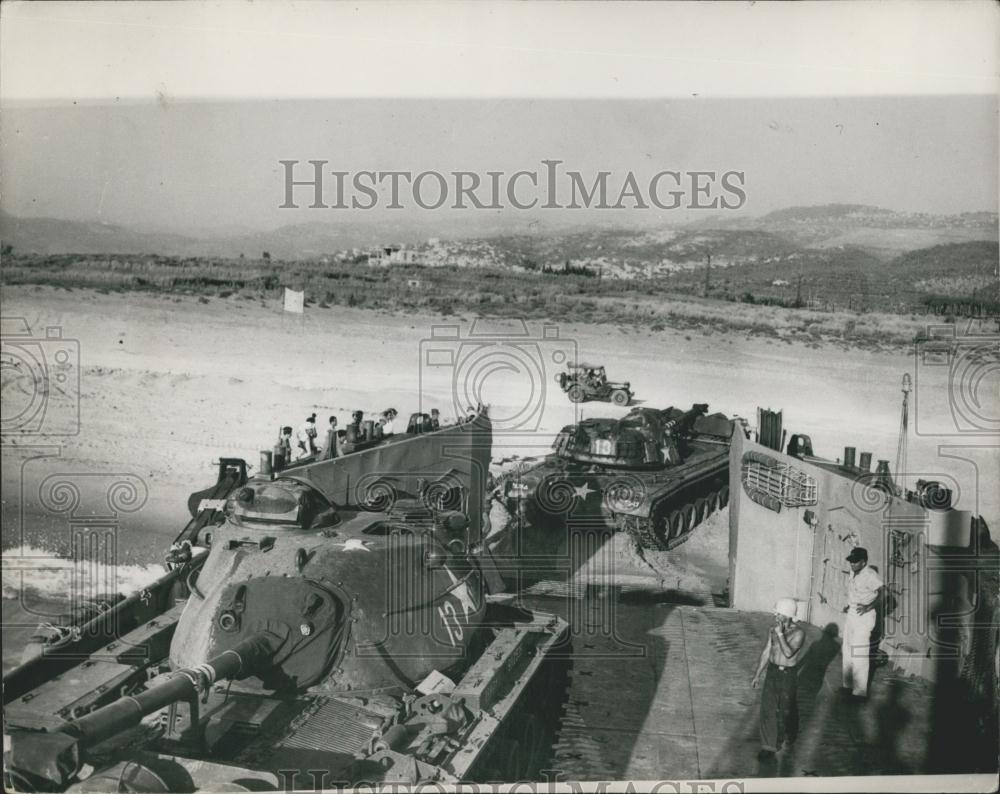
{"x": 786, "y": 607}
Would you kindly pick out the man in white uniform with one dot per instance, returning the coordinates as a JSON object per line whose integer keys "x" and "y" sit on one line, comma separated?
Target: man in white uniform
{"x": 387, "y": 421}
{"x": 864, "y": 590}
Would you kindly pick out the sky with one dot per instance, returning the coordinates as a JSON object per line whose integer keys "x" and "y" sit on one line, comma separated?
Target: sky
{"x": 175, "y": 116}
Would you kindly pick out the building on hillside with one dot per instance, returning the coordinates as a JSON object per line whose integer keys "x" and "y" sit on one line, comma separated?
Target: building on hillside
{"x": 387, "y": 255}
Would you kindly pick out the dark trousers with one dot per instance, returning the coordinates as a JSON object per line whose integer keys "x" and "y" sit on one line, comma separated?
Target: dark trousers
{"x": 779, "y": 708}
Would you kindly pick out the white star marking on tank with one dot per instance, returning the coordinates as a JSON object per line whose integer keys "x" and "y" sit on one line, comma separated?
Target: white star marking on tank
{"x": 460, "y": 590}
{"x": 354, "y": 544}
{"x": 583, "y": 491}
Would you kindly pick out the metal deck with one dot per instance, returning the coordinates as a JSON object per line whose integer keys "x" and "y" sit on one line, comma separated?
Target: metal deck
{"x": 666, "y": 695}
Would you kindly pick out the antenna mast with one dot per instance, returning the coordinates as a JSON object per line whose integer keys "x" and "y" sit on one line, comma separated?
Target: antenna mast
{"x": 904, "y": 424}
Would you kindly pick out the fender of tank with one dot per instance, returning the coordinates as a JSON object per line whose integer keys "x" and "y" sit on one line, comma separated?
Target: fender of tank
{"x": 655, "y": 473}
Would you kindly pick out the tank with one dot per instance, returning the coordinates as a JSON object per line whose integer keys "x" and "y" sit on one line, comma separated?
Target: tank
{"x": 334, "y": 616}
{"x": 653, "y": 473}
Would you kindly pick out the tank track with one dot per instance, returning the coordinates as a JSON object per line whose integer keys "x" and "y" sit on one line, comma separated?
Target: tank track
{"x": 525, "y": 745}
{"x": 670, "y": 523}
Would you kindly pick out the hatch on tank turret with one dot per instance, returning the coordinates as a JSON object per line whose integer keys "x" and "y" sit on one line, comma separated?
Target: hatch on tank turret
{"x": 283, "y": 503}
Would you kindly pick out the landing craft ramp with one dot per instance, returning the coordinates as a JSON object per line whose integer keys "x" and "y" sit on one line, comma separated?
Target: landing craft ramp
{"x": 667, "y": 695}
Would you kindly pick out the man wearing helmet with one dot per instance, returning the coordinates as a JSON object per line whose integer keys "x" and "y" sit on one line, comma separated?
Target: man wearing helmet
{"x": 779, "y": 711}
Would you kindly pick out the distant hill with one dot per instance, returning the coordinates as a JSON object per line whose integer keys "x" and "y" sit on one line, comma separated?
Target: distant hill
{"x": 299, "y": 241}
{"x": 52, "y": 236}
{"x": 849, "y": 231}
{"x": 852, "y": 277}
{"x": 309, "y": 240}
{"x": 956, "y": 270}
{"x": 884, "y": 232}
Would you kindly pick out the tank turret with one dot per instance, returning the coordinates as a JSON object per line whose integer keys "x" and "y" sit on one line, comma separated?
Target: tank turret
{"x": 340, "y": 577}
{"x": 655, "y": 473}
{"x": 643, "y": 438}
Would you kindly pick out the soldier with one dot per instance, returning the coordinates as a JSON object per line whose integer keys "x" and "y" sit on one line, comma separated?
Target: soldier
{"x": 357, "y": 417}
{"x": 779, "y": 711}
{"x": 331, "y": 447}
{"x": 282, "y": 452}
{"x": 435, "y": 419}
{"x": 307, "y": 437}
{"x": 387, "y": 421}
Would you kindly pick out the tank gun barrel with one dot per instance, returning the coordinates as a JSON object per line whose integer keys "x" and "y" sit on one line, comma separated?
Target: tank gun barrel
{"x": 127, "y": 711}
{"x": 49, "y": 761}
{"x": 684, "y": 422}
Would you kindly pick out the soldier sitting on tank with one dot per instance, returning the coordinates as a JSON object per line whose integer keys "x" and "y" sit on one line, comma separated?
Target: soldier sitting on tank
{"x": 435, "y": 419}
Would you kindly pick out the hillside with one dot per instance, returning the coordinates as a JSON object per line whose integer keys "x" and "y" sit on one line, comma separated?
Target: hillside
{"x": 854, "y": 278}
{"x": 53, "y": 236}
{"x": 298, "y": 241}
{"x": 311, "y": 240}
{"x": 885, "y": 232}
{"x": 788, "y": 257}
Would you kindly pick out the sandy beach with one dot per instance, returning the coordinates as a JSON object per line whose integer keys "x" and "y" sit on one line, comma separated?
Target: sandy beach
{"x": 167, "y": 385}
